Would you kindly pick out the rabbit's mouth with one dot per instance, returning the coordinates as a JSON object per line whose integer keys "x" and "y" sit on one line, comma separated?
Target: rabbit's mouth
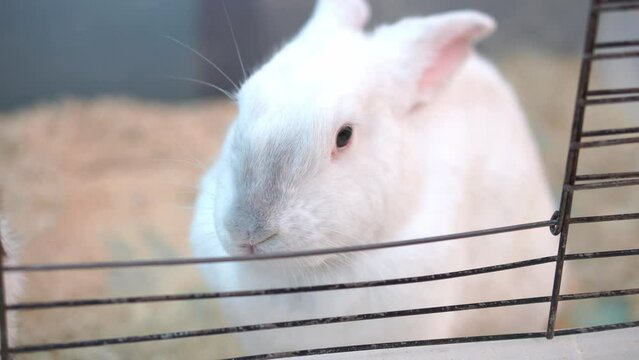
{"x": 255, "y": 247}
{"x": 247, "y": 249}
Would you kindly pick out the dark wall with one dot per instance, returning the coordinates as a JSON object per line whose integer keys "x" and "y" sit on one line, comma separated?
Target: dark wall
{"x": 50, "y": 49}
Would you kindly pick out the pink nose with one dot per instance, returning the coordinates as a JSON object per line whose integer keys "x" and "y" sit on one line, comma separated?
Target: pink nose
{"x": 248, "y": 248}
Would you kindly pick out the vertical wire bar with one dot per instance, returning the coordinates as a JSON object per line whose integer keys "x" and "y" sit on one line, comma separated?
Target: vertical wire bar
{"x": 571, "y": 162}
{"x": 4, "y": 336}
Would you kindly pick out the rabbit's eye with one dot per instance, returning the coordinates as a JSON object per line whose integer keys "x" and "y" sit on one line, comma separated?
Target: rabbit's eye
{"x": 344, "y": 136}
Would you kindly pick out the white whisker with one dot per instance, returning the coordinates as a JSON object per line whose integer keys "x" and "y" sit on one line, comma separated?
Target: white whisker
{"x": 193, "y": 161}
{"x": 226, "y": 93}
{"x": 205, "y": 59}
{"x": 237, "y": 48}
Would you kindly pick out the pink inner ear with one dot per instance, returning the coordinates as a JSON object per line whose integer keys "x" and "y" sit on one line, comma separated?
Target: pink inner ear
{"x": 444, "y": 63}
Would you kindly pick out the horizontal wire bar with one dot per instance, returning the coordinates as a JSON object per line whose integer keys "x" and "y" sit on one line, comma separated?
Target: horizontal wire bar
{"x": 601, "y": 254}
{"x": 604, "y": 132}
{"x": 293, "y": 254}
{"x": 279, "y": 325}
{"x": 599, "y": 294}
{"x": 600, "y": 143}
{"x": 280, "y": 291}
{"x": 316, "y": 288}
{"x": 631, "y": 5}
{"x": 610, "y": 100}
{"x": 391, "y": 345}
{"x": 316, "y": 321}
{"x": 614, "y": 44}
{"x": 444, "y": 341}
{"x": 383, "y": 245}
{"x": 607, "y": 176}
{"x": 613, "y": 55}
{"x": 623, "y": 91}
{"x": 604, "y": 184}
{"x": 604, "y": 218}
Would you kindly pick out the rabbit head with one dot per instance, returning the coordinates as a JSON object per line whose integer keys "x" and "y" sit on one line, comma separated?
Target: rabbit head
{"x": 321, "y": 153}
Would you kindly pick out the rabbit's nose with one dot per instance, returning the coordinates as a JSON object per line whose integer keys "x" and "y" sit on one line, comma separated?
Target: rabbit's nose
{"x": 249, "y": 231}
{"x": 252, "y": 238}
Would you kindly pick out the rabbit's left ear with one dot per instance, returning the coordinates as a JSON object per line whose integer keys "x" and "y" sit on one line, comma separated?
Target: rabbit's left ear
{"x": 351, "y": 14}
{"x": 424, "y": 53}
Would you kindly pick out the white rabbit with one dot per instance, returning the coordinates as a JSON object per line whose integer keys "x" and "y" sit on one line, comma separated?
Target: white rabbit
{"x": 346, "y": 137}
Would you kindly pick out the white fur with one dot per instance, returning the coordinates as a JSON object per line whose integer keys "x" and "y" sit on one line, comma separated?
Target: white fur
{"x": 440, "y": 145}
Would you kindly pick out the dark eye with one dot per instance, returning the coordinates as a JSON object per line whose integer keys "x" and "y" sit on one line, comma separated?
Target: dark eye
{"x": 344, "y": 136}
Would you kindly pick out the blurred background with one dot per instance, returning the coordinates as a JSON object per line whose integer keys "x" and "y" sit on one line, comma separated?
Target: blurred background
{"x": 91, "y": 48}
{"x": 101, "y": 150}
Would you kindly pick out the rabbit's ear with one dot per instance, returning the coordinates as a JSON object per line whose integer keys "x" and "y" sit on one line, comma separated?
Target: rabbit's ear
{"x": 424, "y": 53}
{"x": 352, "y": 14}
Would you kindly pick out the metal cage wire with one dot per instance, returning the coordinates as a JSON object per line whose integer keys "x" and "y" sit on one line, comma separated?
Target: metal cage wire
{"x": 559, "y": 224}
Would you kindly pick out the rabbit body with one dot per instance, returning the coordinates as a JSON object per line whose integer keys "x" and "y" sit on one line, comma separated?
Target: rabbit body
{"x": 455, "y": 156}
